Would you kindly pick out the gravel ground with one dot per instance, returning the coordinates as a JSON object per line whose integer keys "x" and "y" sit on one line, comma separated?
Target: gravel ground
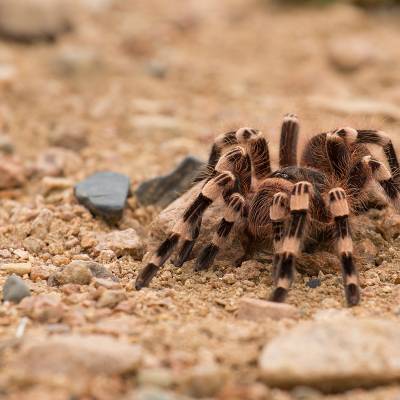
{"x": 133, "y": 87}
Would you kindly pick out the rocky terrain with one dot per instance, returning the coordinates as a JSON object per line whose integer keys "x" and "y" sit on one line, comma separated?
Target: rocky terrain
{"x": 99, "y": 96}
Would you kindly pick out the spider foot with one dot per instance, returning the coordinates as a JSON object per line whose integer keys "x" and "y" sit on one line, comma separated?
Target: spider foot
{"x": 184, "y": 253}
{"x": 206, "y": 257}
{"x": 352, "y": 292}
{"x": 279, "y": 295}
{"x": 145, "y": 276}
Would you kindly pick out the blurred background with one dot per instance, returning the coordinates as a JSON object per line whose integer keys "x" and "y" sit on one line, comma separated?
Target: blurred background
{"x": 136, "y": 85}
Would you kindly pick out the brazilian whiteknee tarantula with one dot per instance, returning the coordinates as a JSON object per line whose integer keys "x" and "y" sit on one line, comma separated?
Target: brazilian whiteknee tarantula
{"x": 295, "y": 205}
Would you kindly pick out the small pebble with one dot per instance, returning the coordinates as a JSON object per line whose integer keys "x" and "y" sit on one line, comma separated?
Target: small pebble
{"x": 15, "y": 289}
{"x": 50, "y": 183}
{"x": 106, "y": 283}
{"x": 43, "y": 308}
{"x": 110, "y": 298}
{"x": 229, "y": 279}
{"x": 5, "y": 253}
{"x": 17, "y": 268}
{"x": 76, "y": 272}
{"x": 314, "y": 283}
{"x": 259, "y": 310}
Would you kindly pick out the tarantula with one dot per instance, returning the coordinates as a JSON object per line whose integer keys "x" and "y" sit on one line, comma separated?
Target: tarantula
{"x": 295, "y": 206}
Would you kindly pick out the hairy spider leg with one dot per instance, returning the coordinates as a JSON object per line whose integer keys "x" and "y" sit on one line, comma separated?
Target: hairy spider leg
{"x": 288, "y": 142}
{"x": 339, "y": 209}
{"x": 293, "y": 239}
{"x": 233, "y": 213}
{"x": 183, "y": 229}
{"x": 278, "y": 213}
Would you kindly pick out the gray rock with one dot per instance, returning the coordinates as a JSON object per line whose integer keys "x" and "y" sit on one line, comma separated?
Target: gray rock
{"x": 15, "y": 289}
{"x": 104, "y": 194}
{"x": 334, "y": 354}
{"x": 162, "y": 190}
{"x": 34, "y": 20}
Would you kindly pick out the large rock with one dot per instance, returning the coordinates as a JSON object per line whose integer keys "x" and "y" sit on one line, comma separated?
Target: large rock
{"x": 32, "y": 20}
{"x": 162, "y": 190}
{"x": 333, "y": 355}
{"x": 104, "y": 194}
{"x": 74, "y": 357}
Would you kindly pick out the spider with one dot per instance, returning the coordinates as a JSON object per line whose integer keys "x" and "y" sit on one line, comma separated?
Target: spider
{"x": 296, "y": 206}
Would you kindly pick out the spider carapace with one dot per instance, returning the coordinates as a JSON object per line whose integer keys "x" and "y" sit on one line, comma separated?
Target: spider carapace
{"x": 300, "y": 203}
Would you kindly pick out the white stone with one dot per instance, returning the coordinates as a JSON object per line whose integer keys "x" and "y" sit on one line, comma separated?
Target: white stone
{"x": 17, "y": 268}
{"x": 339, "y": 354}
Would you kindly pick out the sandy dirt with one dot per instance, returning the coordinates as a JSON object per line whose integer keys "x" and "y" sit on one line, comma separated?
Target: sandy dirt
{"x": 147, "y": 83}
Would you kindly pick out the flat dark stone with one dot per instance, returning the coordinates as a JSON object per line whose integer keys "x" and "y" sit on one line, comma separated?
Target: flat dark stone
{"x": 104, "y": 194}
{"x": 163, "y": 190}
